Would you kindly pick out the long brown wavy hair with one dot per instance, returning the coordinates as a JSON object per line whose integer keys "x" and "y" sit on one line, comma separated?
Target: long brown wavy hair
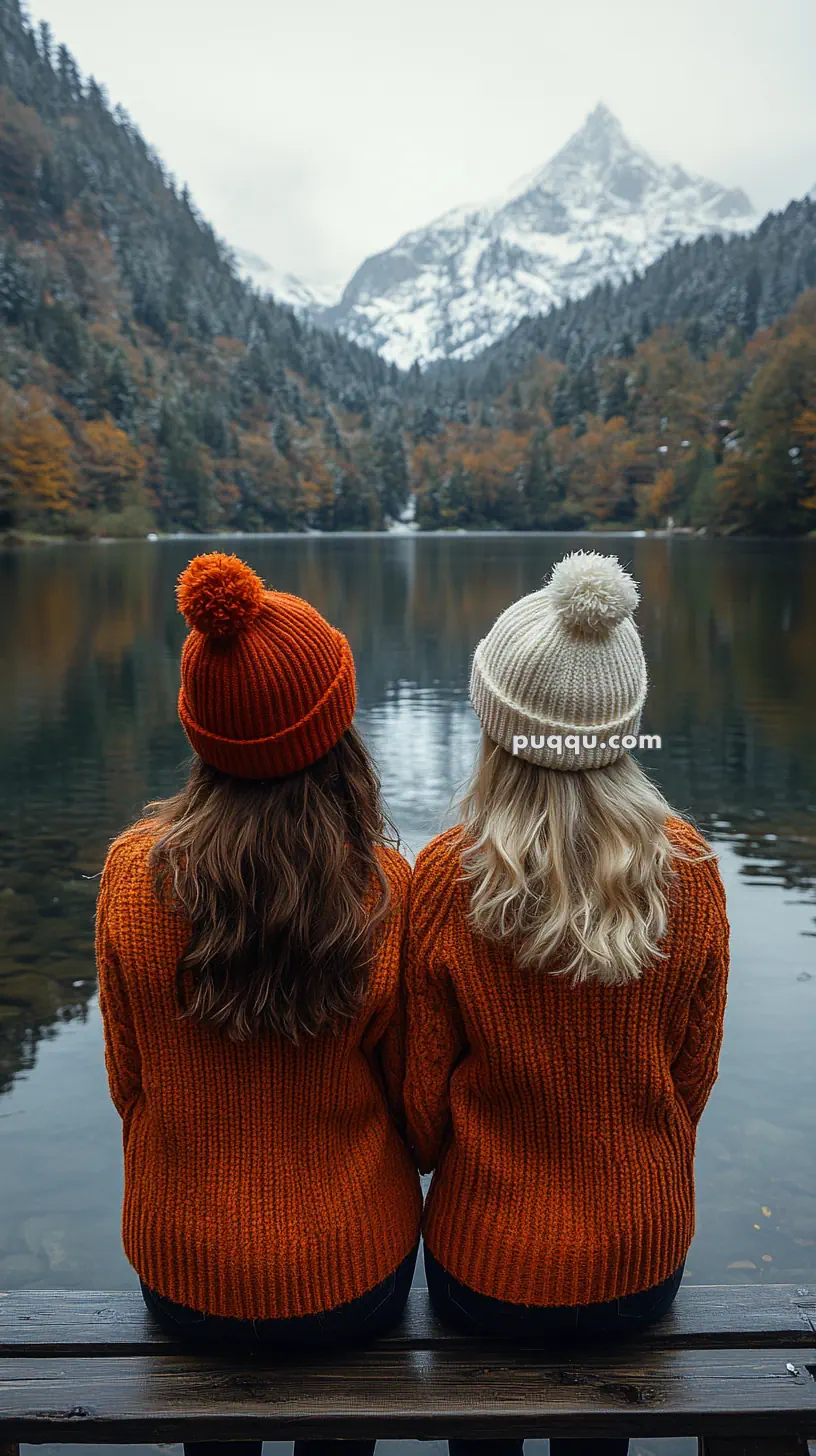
{"x": 283, "y": 888}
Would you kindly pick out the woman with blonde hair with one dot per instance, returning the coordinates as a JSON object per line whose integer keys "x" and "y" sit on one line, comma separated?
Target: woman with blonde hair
{"x": 249, "y": 934}
{"x": 565, "y": 987}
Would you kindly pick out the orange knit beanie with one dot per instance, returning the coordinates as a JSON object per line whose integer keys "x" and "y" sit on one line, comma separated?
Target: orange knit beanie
{"x": 267, "y": 686}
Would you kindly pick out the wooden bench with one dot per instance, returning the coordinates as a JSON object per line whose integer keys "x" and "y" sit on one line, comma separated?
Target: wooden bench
{"x": 734, "y": 1366}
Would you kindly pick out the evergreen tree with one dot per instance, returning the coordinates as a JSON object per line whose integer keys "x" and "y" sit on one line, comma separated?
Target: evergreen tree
{"x": 562, "y": 408}
{"x": 69, "y": 85}
{"x": 616, "y": 399}
{"x": 391, "y": 469}
{"x": 584, "y": 390}
{"x": 187, "y": 497}
{"x": 331, "y": 434}
{"x": 45, "y": 43}
{"x": 544, "y": 488}
{"x": 751, "y": 295}
{"x": 454, "y": 500}
{"x": 281, "y": 436}
{"x": 428, "y": 425}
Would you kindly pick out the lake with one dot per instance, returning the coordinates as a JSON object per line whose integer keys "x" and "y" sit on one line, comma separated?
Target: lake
{"x": 89, "y": 733}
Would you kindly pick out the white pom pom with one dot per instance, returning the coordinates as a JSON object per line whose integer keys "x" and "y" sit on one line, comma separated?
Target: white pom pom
{"x": 592, "y": 593}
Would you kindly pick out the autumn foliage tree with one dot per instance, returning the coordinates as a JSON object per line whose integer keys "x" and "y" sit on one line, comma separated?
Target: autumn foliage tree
{"x": 113, "y": 467}
{"x": 767, "y": 481}
{"x": 38, "y": 468}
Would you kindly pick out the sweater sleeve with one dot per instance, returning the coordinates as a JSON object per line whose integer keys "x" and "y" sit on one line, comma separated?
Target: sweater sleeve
{"x": 384, "y": 1041}
{"x": 435, "y": 1038}
{"x": 122, "y": 1057}
{"x": 695, "y": 1068}
{"x": 388, "y": 1055}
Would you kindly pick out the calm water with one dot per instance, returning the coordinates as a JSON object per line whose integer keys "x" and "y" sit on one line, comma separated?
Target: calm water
{"x": 89, "y": 663}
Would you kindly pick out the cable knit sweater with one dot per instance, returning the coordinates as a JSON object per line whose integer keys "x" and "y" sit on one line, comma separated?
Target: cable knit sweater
{"x": 261, "y": 1179}
{"x": 560, "y": 1120}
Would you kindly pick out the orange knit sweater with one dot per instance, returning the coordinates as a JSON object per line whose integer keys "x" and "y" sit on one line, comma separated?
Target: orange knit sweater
{"x": 261, "y": 1179}
{"x": 560, "y": 1120}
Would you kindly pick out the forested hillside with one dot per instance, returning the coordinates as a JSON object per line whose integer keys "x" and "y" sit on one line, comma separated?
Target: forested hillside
{"x": 717, "y": 290}
{"x": 140, "y": 380}
{"x": 687, "y": 395}
{"x": 144, "y": 386}
{"x": 721, "y": 439}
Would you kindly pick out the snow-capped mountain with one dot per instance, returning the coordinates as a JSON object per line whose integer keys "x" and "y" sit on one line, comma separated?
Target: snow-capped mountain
{"x": 600, "y": 209}
{"x": 284, "y": 287}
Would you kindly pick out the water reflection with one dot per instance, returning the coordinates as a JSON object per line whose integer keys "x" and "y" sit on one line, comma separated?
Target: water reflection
{"x": 89, "y": 733}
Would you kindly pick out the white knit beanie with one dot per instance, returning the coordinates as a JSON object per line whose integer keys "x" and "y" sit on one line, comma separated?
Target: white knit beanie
{"x": 565, "y": 660}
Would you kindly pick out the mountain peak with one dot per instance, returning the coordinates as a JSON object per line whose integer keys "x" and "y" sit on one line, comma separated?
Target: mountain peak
{"x": 598, "y": 140}
{"x": 600, "y": 209}
{"x": 601, "y": 119}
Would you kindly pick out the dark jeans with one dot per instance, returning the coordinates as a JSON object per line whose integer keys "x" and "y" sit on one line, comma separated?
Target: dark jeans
{"x": 357, "y": 1322}
{"x": 471, "y": 1313}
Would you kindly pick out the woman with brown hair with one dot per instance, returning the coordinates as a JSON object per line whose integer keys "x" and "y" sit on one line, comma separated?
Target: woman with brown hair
{"x": 248, "y": 946}
{"x": 566, "y": 988}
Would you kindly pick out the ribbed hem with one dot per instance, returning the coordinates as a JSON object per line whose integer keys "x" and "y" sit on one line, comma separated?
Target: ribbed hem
{"x": 257, "y": 1278}
{"x": 503, "y": 722}
{"x": 543, "y": 1269}
{"x": 294, "y": 747}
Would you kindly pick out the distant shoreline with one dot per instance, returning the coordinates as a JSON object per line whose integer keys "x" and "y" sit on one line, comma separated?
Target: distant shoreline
{"x": 19, "y": 540}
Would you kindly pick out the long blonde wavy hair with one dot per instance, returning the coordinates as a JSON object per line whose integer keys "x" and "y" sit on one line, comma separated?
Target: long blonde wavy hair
{"x": 571, "y": 867}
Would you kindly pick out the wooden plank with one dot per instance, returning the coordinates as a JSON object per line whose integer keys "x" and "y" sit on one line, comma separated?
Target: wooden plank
{"x": 783, "y": 1446}
{"x": 62, "y": 1322}
{"x": 425, "y": 1394}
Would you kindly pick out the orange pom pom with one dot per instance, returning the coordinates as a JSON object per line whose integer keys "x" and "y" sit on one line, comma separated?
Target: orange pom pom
{"x": 219, "y": 594}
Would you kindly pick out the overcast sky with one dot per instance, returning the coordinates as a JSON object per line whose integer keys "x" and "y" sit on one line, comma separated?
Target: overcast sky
{"x": 315, "y": 132}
